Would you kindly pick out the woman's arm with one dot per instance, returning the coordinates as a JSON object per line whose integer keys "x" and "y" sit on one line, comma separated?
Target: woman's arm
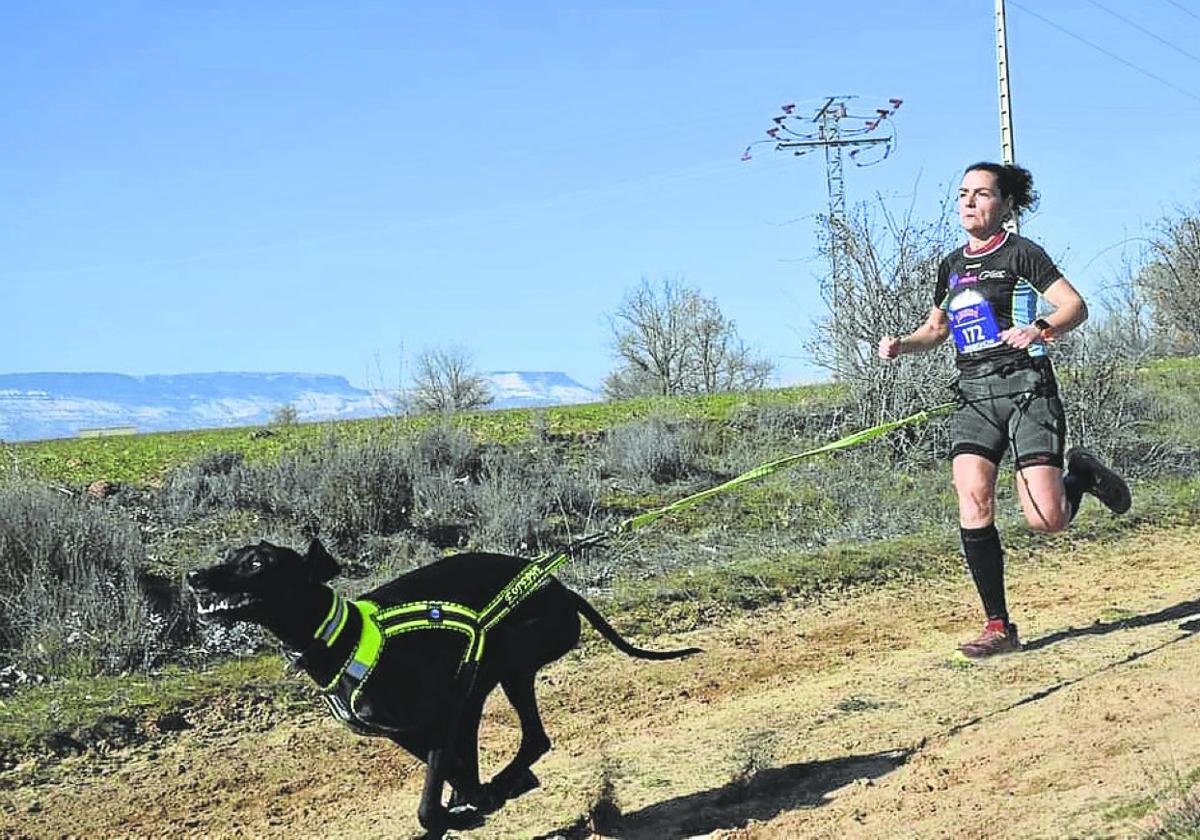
{"x": 1070, "y": 311}
{"x": 925, "y": 337}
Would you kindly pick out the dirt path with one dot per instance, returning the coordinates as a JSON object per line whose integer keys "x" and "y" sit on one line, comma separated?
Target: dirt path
{"x": 839, "y": 720}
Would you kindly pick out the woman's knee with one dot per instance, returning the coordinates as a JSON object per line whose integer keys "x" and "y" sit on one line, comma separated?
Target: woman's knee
{"x": 974, "y": 479}
{"x": 976, "y": 502}
{"x": 1048, "y": 519}
{"x": 1042, "y": 499}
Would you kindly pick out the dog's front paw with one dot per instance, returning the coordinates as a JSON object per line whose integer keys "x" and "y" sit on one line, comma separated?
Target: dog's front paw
{"x": 438, "y": 821}
{"x": 463, "y": 817}
{"x": 482, "y": 798}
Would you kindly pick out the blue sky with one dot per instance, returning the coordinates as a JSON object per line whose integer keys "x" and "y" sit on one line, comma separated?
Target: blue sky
{"x": 332, "y": 187}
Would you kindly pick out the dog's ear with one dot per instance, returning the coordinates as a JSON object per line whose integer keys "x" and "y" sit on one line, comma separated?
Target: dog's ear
{"x": 321, "y": 566}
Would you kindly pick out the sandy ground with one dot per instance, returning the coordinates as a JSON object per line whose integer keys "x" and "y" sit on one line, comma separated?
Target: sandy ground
{"x": 841, "y": 719}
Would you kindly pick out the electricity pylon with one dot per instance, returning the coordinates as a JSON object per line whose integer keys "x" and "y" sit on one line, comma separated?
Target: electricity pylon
{"x": 800, "y": 134}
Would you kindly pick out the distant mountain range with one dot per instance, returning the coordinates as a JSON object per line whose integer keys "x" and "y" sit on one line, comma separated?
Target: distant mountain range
{"x": 35, "y": 406}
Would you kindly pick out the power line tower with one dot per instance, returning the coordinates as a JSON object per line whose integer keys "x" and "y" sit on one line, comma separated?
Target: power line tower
{"x": 833, "y": 128}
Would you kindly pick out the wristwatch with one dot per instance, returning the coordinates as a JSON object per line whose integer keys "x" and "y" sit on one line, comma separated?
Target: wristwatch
{"x": 1049, "y": 332}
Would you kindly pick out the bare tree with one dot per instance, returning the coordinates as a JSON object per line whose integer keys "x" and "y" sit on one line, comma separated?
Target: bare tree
{"x": 445, "y": 381}
{"x": 1125, "y": 315}
{"x": 671, "y": 339}
{"x": 285, "y": 415}
{"x": 890, "y": 269}
{"x": 1172, "y": 282}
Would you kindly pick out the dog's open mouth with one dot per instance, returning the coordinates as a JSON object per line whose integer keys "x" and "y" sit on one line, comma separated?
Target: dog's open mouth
{"x": 217, "y": 603}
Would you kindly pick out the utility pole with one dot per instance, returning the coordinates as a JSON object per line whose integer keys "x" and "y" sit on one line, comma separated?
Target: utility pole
{"x": 1007, "y": 151}
{"x": 800, "y": 138}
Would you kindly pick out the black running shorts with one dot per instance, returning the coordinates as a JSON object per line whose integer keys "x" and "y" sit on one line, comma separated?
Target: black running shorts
{"x": 1018, "y": 410}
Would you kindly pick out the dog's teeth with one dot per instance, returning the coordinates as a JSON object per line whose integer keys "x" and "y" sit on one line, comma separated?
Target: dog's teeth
{"x": 216, "y": 606}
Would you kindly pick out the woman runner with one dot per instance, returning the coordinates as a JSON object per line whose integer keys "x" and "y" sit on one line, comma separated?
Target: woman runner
{"x": 986, "y": 298}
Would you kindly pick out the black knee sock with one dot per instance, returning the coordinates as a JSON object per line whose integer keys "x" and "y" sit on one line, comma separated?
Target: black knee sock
{"x": 985, "y": 559}
{"x": 1073, "y": 486}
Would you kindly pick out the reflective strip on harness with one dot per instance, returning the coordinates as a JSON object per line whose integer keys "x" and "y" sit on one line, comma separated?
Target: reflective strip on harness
{"x": 432, "y": 615}
{"x": 331, "y": 628}
{"x": 412, "y": 625}
{"x": 431, "y": 611}
{"x": 370, "y": 643}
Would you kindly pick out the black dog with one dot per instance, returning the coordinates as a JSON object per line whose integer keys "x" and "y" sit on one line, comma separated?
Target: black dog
{"x": 383, "y": 677}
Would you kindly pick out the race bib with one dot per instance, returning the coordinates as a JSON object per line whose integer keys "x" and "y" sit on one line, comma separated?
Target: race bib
{"x": 973, "y": 323}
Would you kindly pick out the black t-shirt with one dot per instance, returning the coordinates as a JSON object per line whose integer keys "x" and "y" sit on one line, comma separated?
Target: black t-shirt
{"x": 986, "y": 293}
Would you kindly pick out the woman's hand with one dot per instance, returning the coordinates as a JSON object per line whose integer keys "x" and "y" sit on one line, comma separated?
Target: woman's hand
{"x": 1021, "y": 337}
{"x": 889, "y": 347}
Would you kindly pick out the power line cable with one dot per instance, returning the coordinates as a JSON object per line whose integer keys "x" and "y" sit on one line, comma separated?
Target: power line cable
{"x": 1111, "y": 55}
{"x": 1184, "y": 9}
{"x": 1146, "y": 31}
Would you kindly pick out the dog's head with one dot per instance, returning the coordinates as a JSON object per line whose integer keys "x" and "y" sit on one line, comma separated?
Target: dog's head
{"x": 249, "y": 579}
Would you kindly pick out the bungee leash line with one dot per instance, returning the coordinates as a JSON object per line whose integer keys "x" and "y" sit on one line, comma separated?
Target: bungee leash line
{"x": 771, "y": 467}
{"x": 542, "y": 567}
{"x": 381, "y": 624}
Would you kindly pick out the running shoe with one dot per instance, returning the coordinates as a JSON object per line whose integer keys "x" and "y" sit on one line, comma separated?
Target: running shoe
{"x": 1099, "y": 480}
{"x": 997, "y": 638}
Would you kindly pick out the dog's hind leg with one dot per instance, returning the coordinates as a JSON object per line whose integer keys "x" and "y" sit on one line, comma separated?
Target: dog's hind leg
{"x": 517, "y": 778}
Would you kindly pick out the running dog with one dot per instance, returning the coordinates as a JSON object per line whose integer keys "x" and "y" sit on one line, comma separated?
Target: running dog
{"x": 389, "y": 662}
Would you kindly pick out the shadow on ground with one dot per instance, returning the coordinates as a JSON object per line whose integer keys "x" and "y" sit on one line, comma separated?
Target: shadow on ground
{"x": 763, "y": 796}
{"x": 1180, "y": 611}
{"x": 1102, "y": 628}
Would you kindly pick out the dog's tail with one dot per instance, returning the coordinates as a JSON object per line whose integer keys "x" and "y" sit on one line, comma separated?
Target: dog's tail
{"x": 606, "y": 630}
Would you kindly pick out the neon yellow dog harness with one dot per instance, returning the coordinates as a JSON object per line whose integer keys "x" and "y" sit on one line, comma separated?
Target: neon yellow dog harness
{"x": 343, "y": 693}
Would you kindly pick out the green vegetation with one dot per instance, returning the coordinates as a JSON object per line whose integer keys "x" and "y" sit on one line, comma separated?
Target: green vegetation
{"x": 1176, "y": 810}
{"x": 70, "y": 715}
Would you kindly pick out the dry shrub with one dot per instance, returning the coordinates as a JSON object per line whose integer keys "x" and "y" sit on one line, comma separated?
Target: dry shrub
{"x": 510, "y": 499}
{"x": 206, "y": 485}
{"x": 440, "y": 484}
{"x": 340, "y": 491}
{"x": 69, "y": 596}
{"x": 444, "y": 462}
{"x": 1106, "y": 405}
{"x": 755, "y": 434}
{"x": 890, "y": 265}
{"x": 654, "y": 450}
{"x": 1179, "y": 822}
{"x": 517, "y": 495}
{"x": 1171, "y": 281}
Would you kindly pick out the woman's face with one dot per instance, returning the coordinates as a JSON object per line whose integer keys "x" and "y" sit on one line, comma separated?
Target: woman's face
{"x": 981, "y": 209}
